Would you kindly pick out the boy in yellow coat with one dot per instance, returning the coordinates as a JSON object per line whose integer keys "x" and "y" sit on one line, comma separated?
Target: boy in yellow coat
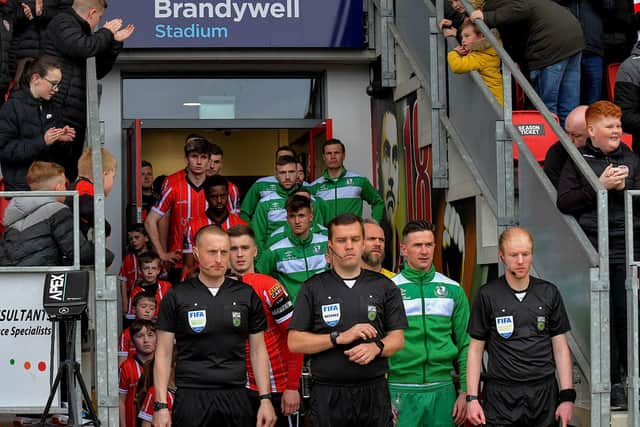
{"x": 476, "y": 54}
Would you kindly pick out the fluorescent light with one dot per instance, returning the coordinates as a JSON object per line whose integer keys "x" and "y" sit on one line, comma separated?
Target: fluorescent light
{"x": 191, "y": 104}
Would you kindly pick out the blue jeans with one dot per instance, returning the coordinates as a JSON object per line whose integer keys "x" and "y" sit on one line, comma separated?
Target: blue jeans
{"x": 591, "y": 77}
{"x": 559, "y": 85}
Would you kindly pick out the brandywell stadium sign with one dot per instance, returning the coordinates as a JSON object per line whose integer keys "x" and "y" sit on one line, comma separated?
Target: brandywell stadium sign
{"x": 245, "y": 24}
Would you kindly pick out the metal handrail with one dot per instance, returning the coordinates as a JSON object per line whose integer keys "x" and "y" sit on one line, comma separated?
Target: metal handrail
{"x": 599, "y": 328}
{"x": 631, "y": 285}
{"x": 76, "y": 232}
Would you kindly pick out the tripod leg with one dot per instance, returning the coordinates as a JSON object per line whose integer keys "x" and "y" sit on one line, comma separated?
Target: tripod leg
{"x": 52, "y": 394}
{"x": 85, "y": 394}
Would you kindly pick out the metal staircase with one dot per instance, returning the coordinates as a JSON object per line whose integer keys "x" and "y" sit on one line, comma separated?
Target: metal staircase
{"x": 468, "y": 125}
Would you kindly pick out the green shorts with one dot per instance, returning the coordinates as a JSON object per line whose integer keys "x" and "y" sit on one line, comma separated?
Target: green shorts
{"x": 423, "y": 405}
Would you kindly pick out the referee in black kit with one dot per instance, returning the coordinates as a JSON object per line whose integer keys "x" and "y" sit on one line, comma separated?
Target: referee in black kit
{"x": 211, "y": 317}
{"x": 523, "y": 323}
{"x": 349, "y": 320}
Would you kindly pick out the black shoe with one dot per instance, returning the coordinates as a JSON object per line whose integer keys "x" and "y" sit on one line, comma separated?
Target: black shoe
{"x": 618, "y": 397}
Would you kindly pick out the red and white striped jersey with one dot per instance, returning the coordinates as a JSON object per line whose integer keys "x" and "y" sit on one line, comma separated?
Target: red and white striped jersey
{"x": 125, "y": 345}
{"x": 183, "y": 201}
{"x": 129, "y": 272}
{"x": 233, "y": 202}
{"x": 197, "y": 223}
{"x": 284, "y": 367}
{"x": 163, "y": 288}
{"x": 146, "y": 410}
{"x": 130, "y": 373}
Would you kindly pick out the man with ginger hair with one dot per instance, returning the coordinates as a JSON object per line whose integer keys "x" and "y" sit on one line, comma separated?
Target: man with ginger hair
{"x": 618, "y": 169}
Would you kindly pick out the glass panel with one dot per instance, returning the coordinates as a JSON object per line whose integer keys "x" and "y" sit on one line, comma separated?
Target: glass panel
{"x": 247, "y": 98}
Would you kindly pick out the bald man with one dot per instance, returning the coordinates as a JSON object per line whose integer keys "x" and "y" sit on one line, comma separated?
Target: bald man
{"x": 576, "y": 128}
{"x": 522, "y": 323}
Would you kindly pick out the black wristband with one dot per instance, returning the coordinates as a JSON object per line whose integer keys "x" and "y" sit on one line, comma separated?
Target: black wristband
{"x": 567, "y": 395}
{"x": 380, "y": 345}
{"x": 265, "y": 396}
{"x": 334, "y": 337}
{"x": 471, "y": 398}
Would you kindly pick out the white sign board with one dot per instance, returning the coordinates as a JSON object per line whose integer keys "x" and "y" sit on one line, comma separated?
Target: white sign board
{"x": 25, "y": 343}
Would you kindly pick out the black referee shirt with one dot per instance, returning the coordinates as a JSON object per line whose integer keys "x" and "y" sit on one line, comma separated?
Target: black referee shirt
{"x": 518, "y": 334}
{"x": 325, "y": 304}
{"x": 211, "y": 331}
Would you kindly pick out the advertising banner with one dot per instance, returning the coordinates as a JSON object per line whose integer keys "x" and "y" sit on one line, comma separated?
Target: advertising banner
{"x": 241, "y": 23}
{"x": 25, "y": 342}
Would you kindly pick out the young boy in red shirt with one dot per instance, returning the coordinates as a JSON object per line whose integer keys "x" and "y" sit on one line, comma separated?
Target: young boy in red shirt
{"x": 130, "y": 269}
{"x": 150, "y": 267}
{"x": 144, "y": 307}
{"x": 143, "y": 333}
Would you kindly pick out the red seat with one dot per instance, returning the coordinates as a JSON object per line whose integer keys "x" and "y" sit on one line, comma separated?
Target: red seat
{"x": 612, "y": 71}
{"x": 537, "y": 134}
{"x": 627, "y": 140}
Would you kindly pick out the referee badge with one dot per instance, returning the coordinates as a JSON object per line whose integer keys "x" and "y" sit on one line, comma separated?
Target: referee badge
{"x": 331, "y": 314}
{"x": 504, "y": 326}
{"x": 197, "y": 320}
{"x": 372, "y": 312}
{"x": 540, "y": 323}
{"x": 236, "y": 318}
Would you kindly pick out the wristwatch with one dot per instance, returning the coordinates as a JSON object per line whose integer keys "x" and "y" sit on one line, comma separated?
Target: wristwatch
{"x": 380, "y": 345}
{"x": 266, "y": 396}
{"x": 160, "y": 405}
{"x": 334, "y": 337}
{"x": 471, "y": 398}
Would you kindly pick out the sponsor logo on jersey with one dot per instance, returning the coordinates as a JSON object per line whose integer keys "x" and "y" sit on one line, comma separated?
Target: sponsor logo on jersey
{"x": 276, "y": 291}
{"x": 541, "y": 322}
{"x": 441, "y": 291}
{"x": 504, "y": 325}
{"x": 197, "y": 320}
{"x": 331, "y": 314}
{"x": 236, "y": 317}
{"x": 371, "y": 312}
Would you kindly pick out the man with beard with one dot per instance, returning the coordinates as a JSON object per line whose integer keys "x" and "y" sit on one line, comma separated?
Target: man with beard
{"x": 373, "y": 253}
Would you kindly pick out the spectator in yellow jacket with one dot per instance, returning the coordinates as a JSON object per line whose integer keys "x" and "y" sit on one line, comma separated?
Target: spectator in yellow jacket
{"x": 476, "y": 54}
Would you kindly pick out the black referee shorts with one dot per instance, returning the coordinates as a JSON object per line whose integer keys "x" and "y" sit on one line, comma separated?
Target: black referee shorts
{"x": 351, "y": 405}
{"x": 196, "y": 407}
{"x": 531, "y": 404}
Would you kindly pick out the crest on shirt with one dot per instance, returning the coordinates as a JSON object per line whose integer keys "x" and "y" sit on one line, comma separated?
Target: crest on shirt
{"x": 276, "y": 291}
{"x": 349, "y": 181}
{"x": 317, "y": 249}
{"x": 441, "y": 291}
{"x": 541, "y": 323}
{"x": 236, "y": 318}
{"x": 371, "y": 312}
{"x": 197, "y": 320}
{"x": 331, "y": 314}
{"x": 504, "y": 326}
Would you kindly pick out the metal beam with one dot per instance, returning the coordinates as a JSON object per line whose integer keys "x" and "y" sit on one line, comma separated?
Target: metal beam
{"x": 224, "y": 123}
